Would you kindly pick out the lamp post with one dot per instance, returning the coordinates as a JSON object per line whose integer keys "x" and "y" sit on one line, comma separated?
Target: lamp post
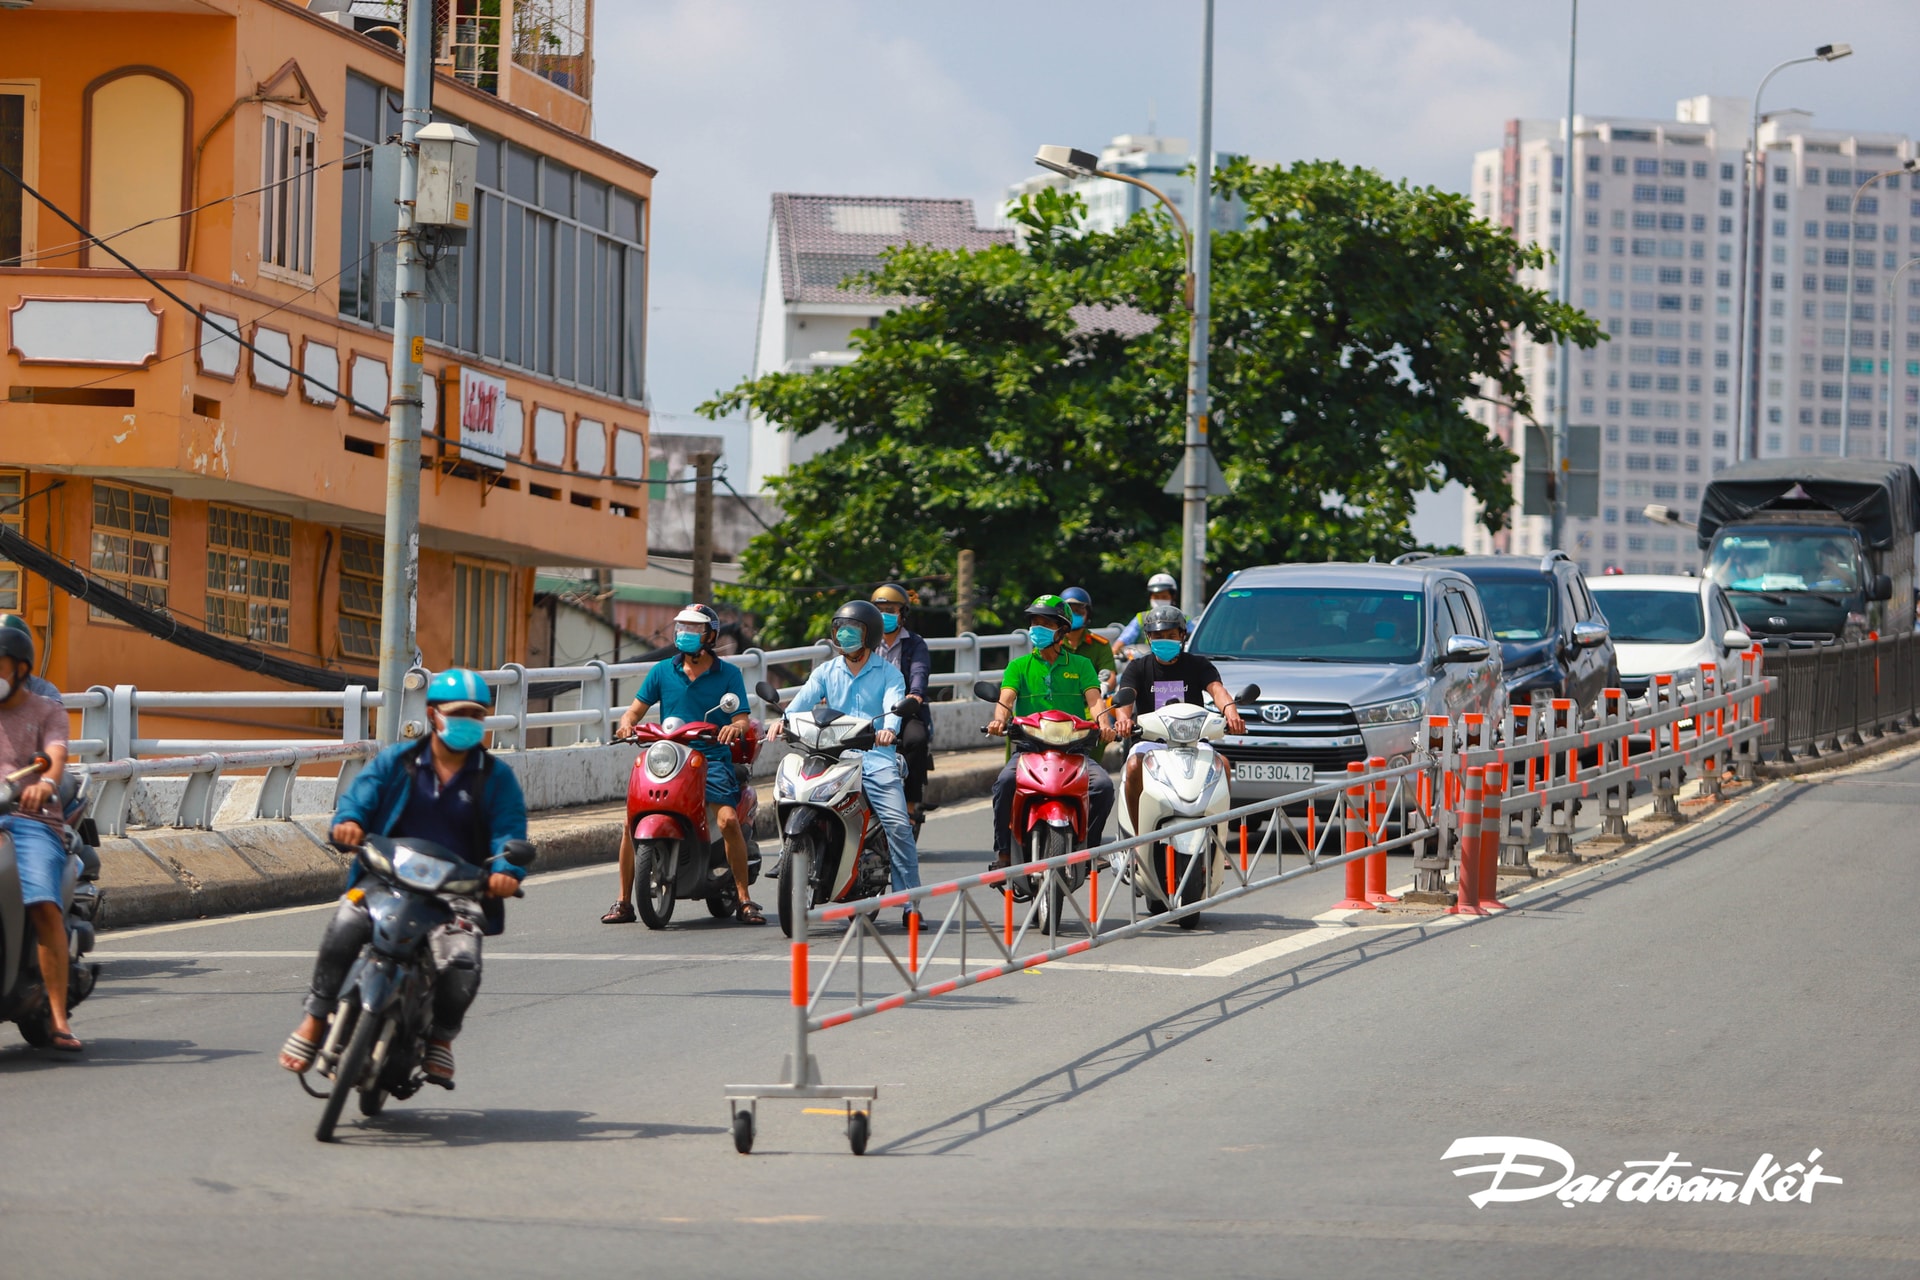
{"x": 1558, "y": 454}
{"x": 1198, "y": 241}
{"x": 1749, "y": 247}
{"x": 1893, "y": 373}
{"x": 1853, "y": 255}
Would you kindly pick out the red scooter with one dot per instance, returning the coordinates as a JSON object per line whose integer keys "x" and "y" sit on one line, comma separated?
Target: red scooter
{"x": 1050, "y": 801}
{"x": 676, "y": 854}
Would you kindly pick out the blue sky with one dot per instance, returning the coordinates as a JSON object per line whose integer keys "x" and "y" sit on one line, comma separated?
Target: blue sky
{"x": 735, "y": 99}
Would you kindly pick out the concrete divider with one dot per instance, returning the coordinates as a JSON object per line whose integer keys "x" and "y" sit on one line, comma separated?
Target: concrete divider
{"x": 163, "y": 873}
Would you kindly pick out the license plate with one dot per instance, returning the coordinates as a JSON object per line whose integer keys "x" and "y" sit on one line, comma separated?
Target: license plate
{"x": 1254, "y": 771}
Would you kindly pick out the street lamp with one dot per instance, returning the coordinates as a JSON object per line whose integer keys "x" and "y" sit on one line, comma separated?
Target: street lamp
{"x": 1195, "y": 469}
{"x": 1853, "y": 255}
{"x": 1893, "y": 374}
{"x": 1743, "y": 347}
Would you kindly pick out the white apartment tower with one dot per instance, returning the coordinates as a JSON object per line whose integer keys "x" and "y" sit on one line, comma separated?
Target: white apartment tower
{"x": 1655, "y": 259}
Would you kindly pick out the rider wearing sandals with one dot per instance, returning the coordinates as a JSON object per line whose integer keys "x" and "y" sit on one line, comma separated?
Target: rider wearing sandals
{"x": 449, "y": 789}
{"x": 693, "y": 688}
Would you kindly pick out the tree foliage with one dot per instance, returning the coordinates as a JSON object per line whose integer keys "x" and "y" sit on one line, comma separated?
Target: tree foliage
{"x": 1008, "y": 412}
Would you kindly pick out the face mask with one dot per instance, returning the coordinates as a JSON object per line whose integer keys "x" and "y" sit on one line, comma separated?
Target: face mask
{"x": 687, "y": 641}
{"x": 1165, "y": 650}
{"x": 461, "y": 733}
{"x": 889, "y": 622}
{"x": 6, "y": 688}
{"x": 849, "y": 638}
{"x": 1040, "y": 636}
{"x": 1079, "y": 620}
{"x": 1159, "y": 600}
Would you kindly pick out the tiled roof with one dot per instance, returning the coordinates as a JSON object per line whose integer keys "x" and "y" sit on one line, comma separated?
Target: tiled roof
{"x": 1128, "y": 322}
{"x": 825, "y": 239}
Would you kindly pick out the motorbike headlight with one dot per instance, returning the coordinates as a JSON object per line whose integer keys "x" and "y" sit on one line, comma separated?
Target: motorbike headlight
{"x": 663, "y": 758}
{"x": 1389, "y": 712}
{"x": 1057, "y": 732}
{"x": 1185, "y": 730}
{"x": 419, "y": 870}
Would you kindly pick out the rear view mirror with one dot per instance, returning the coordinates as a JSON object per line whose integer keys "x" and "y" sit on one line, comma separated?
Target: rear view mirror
{"x": 520, "y": 853}
{"x": 1247, "y": 694}
{"x": 986, "y": 691}
{"x": 1737, "y": 641}
{"x": 1123, "y": 698}
{"x": 1590, "y": 635}
{"x": 768, "y": 694}
{"x": 1466, "y": 649}
{"x": 1882, "y": 587}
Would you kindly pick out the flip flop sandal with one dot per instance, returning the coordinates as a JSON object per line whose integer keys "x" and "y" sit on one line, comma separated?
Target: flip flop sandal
{"x": 619, "y": 913}
{"x": 66, "y": 1042}
{"x": 301, "y": 1050}
{"x": 750, "y": 913}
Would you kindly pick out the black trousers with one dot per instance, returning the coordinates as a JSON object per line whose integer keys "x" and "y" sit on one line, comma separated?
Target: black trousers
{"x": 454, "y": 947}
{"x": 916, "y": 754}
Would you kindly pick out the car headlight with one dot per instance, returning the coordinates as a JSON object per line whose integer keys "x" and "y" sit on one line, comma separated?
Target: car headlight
{"x": 1389, "y": 712}
{"x": 663, "y": 758}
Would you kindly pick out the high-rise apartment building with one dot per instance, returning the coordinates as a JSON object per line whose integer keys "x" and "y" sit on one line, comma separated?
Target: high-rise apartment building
{"x": 1656, "y": 258}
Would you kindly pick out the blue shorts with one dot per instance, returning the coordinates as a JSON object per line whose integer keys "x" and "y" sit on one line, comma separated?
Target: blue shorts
{"x": 722, "y": 786}
{"x": 42, "y": 857}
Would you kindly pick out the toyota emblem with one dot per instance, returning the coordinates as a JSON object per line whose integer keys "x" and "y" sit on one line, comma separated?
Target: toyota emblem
{"x": 1776, "y": 622}
{"x": 1276, "y": 713}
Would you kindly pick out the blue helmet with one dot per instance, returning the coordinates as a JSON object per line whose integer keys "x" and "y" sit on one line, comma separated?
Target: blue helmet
{"x": 1079, "y": 596}
{"x": 459, "y": 685}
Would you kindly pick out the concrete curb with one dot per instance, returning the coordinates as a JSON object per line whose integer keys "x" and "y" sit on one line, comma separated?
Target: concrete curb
{"x": 1844, "y": 756}
{"x": 165, "y": 875}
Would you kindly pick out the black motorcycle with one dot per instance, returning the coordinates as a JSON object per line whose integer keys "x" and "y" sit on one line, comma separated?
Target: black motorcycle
{"x": 376, "y": 1037}
{"x": 23, "y": 992}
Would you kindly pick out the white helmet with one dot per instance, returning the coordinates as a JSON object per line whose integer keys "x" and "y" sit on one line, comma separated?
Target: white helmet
{"x": 1162, "y": 582}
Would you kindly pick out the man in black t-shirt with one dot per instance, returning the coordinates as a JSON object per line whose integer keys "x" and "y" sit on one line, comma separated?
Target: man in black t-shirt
{"x": 1168, "y": 674}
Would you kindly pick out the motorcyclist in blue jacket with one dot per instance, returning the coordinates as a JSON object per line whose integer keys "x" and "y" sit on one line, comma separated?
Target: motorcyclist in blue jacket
{"x": 448, "y": 789}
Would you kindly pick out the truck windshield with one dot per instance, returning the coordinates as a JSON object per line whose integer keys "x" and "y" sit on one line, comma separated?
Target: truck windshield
{"x": 1313, "y": 624}
{"x": 1785, "y": 560}
{"x": 1517, "y": 610}
{"x": 1652, "y": 617}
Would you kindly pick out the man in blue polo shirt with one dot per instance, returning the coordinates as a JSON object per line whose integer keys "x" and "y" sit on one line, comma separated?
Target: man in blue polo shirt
{"x": 697, "y": 686}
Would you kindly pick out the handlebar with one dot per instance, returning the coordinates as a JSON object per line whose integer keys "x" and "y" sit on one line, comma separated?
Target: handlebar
{"x": 40, "y": 763}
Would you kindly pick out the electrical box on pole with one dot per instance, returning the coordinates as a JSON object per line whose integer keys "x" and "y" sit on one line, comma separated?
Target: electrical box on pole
{"x": 448, "y": 162}
{"x": 1580, "y": 472}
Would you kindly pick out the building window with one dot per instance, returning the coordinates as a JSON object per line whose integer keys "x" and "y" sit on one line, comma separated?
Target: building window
{"x": 19, "y": 121}
{"x": 131, "y": 533}
{"x": 288, "y": 146}
{"x": 479, "y": 615}
{"x": 361, "y": 558}
{"x": 249, "y": 575}
{"x": 13, "y": 488}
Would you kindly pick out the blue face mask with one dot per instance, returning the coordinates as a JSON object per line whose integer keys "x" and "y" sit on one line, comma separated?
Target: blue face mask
{"x": 687, "y": 641}
{"x": 461, "y": 733}
{"x": 849, "y": 638}
{"x": 1041, "y": 636}
{"x": 889, "y": 622}
{"x": 1165, "y": 650}
{"x": 1079, "y": 620}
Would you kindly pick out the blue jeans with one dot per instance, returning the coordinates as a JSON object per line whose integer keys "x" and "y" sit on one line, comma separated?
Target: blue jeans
{"x": 885, "y": 784}
{"x": 41, "y": 856}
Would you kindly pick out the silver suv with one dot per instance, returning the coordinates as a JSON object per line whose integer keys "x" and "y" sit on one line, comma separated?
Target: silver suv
{"x": 1350, "y": 660}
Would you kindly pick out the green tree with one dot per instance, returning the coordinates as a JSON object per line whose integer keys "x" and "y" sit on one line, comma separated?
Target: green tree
{"x": 1007, "y": 411}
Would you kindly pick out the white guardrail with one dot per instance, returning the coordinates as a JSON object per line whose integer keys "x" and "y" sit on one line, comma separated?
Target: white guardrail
{"x": 115, "y": 756}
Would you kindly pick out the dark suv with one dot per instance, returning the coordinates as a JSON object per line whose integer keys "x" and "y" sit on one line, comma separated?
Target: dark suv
{"x": 1554, "y": 641}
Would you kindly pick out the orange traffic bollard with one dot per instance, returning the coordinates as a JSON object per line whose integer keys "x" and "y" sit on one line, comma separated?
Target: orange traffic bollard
{"x": 913, "y": 943}
{"x": 1243, "y": 847}
{"x": 1491, "y": 821}
{"x": 1467, "y": 896}
{"x": 1093, "y": 882}
{"x": 1356, "y": 899}
{"x": 1376, "y": 828}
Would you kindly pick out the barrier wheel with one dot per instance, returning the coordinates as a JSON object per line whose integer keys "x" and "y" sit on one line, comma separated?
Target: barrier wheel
{"x": 743, "y": 1132}
{"x": 857, "y": 1132}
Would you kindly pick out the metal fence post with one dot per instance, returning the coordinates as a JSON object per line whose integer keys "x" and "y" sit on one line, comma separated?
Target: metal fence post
{"x": 353, "y": 713}
{"x": 597, "y": 694}
{"x": 275, "y": 800}
{"x": 1514, "y": 827}
{"x": 1666, "y": 783}
{"x": 1563, "y": 719}
{"x": 1430, "y": 856}
{"x": 413, "y": 703}
{"x": 1614, "y": 755}
{"x": 123, "y": 720}
{"x": 197, "y": 801}
{"x": 96, "y": 722}
{"x": 1710, "y": 765}
{"x": 510, "y": 699}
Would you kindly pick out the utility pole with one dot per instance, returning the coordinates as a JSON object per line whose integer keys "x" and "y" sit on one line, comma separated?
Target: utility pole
{"x": 1193, "y": 507}
{"x": 963, "y": 595}
{"x": 703, "y": 527}
{"x": 1565, "y": 362}
{"x": 400, "y": 570}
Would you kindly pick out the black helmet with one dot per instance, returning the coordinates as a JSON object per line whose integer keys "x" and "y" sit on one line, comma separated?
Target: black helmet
{"x": 862, "y": 614}
{"x": 1165, "y": 617}
{"x": 16, "y": 639}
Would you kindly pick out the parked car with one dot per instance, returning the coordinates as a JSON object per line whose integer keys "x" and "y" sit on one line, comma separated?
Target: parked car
{"x": 1668, "y": 624}
{"x": 1350, "y": 660}
{"x": 1554, "y": 641}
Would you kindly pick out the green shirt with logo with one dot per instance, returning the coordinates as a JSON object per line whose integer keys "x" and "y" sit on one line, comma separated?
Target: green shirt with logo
{"x": 1057, "y": 686}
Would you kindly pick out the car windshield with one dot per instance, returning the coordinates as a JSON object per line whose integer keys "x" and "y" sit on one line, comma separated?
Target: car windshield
{"x": 1314, "y": 624}
{"x": 1518, "y": 609}
{"x": 1652, "y": 617}
{"x": 1785, "y": 560}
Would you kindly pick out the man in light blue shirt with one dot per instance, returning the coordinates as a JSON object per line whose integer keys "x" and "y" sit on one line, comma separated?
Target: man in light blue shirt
{"x": 859, "y": 684}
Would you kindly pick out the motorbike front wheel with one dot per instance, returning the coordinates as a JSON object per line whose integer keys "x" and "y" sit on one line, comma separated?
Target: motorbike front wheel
{"x": 653, "y": 887}
{"x": 796, "y": 882}
{"x": 347, "y": 1073}
{"x": 1050, "y": 842}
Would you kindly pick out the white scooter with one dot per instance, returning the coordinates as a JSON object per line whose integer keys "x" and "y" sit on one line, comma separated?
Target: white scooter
{"x": 1184, "y": 780}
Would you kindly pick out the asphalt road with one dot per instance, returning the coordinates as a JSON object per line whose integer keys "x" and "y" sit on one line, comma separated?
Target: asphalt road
{"x": 1178, "y": 1103}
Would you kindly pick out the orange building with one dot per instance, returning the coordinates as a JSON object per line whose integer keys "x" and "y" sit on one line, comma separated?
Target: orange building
{"x": 228, "y": 148}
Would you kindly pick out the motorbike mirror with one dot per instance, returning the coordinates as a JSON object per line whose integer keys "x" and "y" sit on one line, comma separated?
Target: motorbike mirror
{"x": 907, "y": 705}
{"x": 986, "y": 691}
{"x": 768, "y": 694}
{"x": 521, "y": 853}
{"x": 1248, "y": 694}
{"x": 1123, "y": 698}
{"x": 730, "y": 703}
